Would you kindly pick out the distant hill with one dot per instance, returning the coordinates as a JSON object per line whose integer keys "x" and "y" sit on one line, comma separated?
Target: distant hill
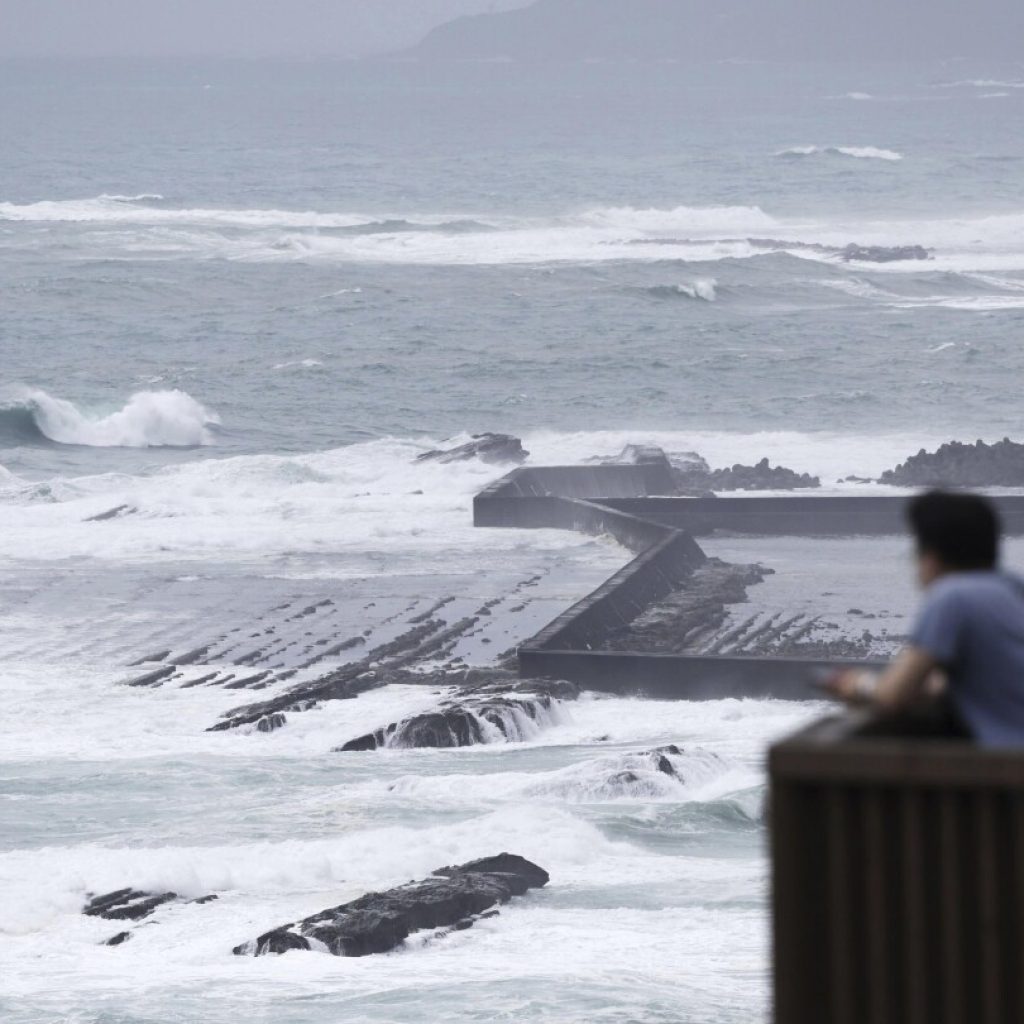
{"x": 773, "y": 30}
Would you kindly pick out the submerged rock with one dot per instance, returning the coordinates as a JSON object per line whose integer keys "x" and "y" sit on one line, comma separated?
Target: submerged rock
{"x": 962, "y": 465}
{"x": 883, "y": 253}
{"x": 112, "y": 513}
{"x": 268, "y": 723}
{"x": 508, "y": 711}
{"x": 453, "y": 898}
{"x": 131, "y": 905}
{"x": 493, "y": 448}
{"x": 126, "y": 904}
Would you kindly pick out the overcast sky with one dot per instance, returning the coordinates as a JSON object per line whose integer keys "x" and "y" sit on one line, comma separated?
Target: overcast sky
{"x": 233, "y": 27}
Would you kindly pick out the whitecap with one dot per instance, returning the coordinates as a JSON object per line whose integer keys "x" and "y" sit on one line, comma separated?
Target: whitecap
{"x": 149, "y": 419}
{"x": 296, "y": 364}
{"x": 857, "y": 152}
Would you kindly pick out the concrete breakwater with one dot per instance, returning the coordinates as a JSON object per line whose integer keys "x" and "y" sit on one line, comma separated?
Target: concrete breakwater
{"x": 639, "y": 507}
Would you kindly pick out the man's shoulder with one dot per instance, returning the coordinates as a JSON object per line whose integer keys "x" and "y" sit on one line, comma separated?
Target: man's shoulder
{"x": 975, "y": 586}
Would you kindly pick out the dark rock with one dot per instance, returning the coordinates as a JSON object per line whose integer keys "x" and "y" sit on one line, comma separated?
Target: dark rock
{"x": 492, "y": 448}
{"x": 686, "y": 618}
{"x": 962, "y": 465}
{"x": 154, "y": 678}
{"x": 268, "y": 723}
{"x": 453, "y": 898}
{"x": 117, "y": 939}
{"x": 761, "y": 477}
{"x": 693, "y": 477}
{"x": 884, "y": 253}
{"x": 472, "y": 716}
{"x": 112, "y": 513}
{"x": 126, "y": 904}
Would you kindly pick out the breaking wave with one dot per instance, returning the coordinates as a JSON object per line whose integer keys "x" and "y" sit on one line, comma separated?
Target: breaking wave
{"x": 857, "y": 152}
{"x": 149, "y": 419}
{"x": 118, "y": 209}
{"x": 702, "y": 288}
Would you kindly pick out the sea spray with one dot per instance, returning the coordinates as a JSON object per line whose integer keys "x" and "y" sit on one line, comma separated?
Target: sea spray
{"x": 149, "y": 419}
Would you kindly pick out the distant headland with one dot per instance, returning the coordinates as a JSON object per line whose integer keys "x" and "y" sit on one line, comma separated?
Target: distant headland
{"x": 742, "y": 30}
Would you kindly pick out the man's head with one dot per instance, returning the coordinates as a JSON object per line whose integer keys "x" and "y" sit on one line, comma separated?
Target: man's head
{"x": 954, "y": 533}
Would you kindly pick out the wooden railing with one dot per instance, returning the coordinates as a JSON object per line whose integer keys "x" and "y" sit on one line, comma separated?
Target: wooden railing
{"x": 898, "y": 876}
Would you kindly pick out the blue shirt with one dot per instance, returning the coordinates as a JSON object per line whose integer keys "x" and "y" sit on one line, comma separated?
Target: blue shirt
{"x": 972, "y": 623}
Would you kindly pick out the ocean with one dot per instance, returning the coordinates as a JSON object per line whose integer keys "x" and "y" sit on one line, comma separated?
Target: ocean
{"x": 237, "y": 299}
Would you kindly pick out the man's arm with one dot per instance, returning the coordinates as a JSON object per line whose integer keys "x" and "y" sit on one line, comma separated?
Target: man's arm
{"x": 902, "y": 683}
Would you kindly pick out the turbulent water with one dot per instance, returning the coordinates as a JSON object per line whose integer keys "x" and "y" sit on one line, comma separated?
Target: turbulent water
{"x": 237, "y": 300}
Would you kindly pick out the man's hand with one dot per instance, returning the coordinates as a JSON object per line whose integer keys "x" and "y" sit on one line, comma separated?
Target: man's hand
{"x": 903, "y": 682}
{"x": 854, "y": 686}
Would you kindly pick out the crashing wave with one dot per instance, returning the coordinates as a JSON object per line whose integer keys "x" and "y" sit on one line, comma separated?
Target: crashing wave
{"x": 149, "y": 419}
{"x": 857, "y": 152}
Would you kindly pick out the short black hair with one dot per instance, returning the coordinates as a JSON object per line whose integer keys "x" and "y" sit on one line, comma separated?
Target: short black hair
{"x": 961, "y": 529}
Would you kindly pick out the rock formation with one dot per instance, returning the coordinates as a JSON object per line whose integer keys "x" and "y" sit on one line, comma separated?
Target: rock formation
{"x": 492, "y": 448}
{"x": 131, "y": 905}
{"x": 452, "y": 898}
{"x": 501, "y": 711}
{"x": 694, "y": 477}
{"x": 760, "y": 477}
{"x": 695, "y": 610}
{"x": 962, "y": 465}
{"x": 884, "y": 253}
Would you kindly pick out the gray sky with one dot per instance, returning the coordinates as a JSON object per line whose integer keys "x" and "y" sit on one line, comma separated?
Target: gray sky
{"x": 235, "y": 27}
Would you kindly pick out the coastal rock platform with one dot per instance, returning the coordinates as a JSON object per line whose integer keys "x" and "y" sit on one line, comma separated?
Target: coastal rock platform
{"x": 453, "y": 898}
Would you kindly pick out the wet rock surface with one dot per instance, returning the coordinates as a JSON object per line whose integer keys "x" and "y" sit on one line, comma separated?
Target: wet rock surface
{"x": 883, "y": 253}
{"x": 501, "y": 709}
{"x": 962, "y": 465}
{"x": 691, "y": 614}
{"x": 126, "y": 904}
{"x": 760, "y": 477}
{"x": 427, "y": 637}
{"x": 492, "y": 448}
{"x": 131, "y": 905}
{"x": 452, "y": 898}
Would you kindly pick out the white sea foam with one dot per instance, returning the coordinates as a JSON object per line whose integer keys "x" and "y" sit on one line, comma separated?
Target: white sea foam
{"x": 984, "y": 83}
{"x": 701, "y": 288}
{"x": 628, "y": 776}
{"x": 857, "y": 152}
{"x": 142, "y": 197}
{"x": 148, "y": 419}
{"x": 990, "y": 243}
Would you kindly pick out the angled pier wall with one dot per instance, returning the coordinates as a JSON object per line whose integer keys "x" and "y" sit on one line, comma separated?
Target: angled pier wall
{"x": 634, "y": 504}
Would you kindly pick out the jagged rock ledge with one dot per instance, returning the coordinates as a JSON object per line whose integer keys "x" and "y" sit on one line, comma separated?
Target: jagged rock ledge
{"x": 131, "y": 905}
{"x": 693, "y": 476}
{"x": 492, "y": 448}
{"x": 691, "y": 614}
{"x": 962, "y": 465}
{"x": 502, "y": 709}
{"x": 453, "y": 898}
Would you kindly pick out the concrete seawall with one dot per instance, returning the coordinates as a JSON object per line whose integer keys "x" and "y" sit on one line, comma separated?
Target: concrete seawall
{"x": 634, "y": 504}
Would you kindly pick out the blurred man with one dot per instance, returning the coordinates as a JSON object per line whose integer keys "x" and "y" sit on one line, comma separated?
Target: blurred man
{"x": 970, "y": 627}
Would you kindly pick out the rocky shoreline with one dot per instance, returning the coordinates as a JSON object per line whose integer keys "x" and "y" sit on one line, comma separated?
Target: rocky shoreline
{"x": 504, "y": 709}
